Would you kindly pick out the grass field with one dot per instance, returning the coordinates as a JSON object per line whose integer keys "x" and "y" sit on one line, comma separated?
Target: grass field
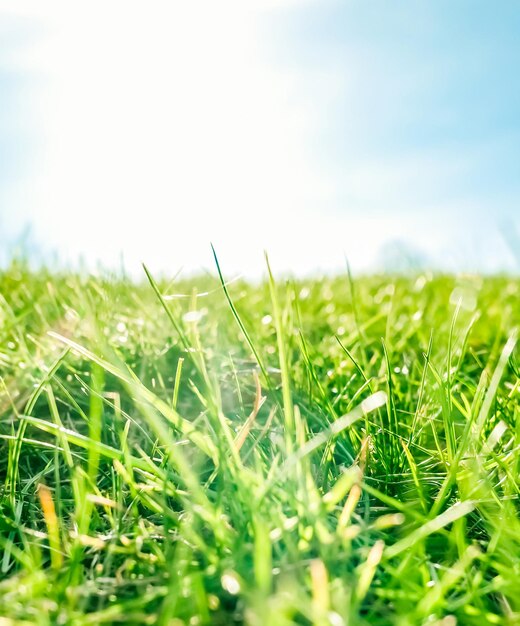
{"x": 332, "y": 452}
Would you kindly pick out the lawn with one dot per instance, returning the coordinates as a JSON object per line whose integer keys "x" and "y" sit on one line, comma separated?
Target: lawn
{"x": 338, "y": 451}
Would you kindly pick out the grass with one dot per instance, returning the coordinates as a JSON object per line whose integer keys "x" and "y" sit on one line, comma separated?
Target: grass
{"x": 331, "y": 452}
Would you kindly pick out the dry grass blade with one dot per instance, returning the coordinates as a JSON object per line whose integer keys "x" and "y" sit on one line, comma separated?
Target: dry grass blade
{"x": 246, "y": 428}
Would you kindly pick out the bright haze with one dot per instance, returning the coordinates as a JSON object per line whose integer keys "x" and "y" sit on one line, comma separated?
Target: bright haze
{"x": 316, "y": 130}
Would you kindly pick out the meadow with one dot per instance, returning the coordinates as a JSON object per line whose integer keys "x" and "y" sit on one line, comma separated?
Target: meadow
{"x": 341, "y": 451}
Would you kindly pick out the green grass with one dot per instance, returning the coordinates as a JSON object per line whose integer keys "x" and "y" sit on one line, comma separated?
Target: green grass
{"x": 329, "y": 452}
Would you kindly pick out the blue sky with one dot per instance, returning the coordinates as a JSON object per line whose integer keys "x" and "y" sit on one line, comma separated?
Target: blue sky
{"x": 313, "y": 129}
{"x": 435, "y": 81}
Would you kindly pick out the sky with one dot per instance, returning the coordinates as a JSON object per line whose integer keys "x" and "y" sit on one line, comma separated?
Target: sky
{"x": 318, "y": 130}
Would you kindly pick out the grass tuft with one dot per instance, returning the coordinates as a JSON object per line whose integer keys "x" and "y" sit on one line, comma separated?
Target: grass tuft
{"x": 311, "y": 452}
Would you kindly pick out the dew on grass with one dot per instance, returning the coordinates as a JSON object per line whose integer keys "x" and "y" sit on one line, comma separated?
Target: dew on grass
{"x": 465, "y": 297}
{"x": 384, "y": 292}
{"x": 420, "y": 283}
{"x": 71, "y": 315}
{"x": 291, "y": 522}
{"x": 335, "y": 619}
{"x": 213, "y": 602}
{"x": 192, "y": 317}
{"x": 230, "y": 583}
{"x": 327, "y": 293}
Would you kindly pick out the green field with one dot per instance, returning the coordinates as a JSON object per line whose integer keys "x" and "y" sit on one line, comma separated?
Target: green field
{"x": 333, "y": 452}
